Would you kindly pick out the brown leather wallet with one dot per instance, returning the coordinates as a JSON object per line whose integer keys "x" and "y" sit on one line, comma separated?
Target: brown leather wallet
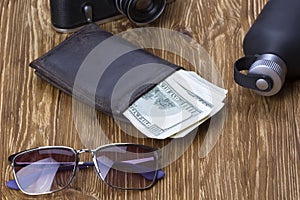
{"x": 122, "y": 71}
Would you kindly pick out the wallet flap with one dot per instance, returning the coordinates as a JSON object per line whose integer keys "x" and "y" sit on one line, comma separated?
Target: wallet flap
{"x": 102, "y": 70}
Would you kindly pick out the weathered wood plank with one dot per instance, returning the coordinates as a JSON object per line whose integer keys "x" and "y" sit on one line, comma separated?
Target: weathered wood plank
{"x": 256, "y": 156}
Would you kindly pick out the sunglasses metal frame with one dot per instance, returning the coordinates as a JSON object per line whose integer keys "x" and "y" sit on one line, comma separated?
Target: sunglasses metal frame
{"x": 12, "y": 158}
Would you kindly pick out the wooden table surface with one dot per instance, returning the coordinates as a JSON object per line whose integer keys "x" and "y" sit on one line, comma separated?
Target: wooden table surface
{"x": 257, "y": 155}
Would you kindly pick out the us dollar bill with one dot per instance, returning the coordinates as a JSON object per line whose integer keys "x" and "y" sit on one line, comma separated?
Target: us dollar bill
{"x": 199, "y": 95}
{"x": 175, "y": 106}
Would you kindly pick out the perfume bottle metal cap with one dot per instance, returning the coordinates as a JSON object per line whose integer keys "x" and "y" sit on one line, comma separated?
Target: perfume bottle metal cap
{"x": 272, "y": 66}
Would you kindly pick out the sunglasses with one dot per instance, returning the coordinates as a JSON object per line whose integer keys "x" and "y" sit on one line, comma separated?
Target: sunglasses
{"x": 48, "y": 169}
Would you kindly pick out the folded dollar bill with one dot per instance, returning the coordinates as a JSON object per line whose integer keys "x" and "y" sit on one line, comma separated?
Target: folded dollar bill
{"x": 176, "y": 106}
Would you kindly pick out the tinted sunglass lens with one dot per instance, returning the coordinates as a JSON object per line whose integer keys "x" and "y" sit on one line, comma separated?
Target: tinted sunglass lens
{"x": 127, "y": 166}
{"x": 44, "y": 170}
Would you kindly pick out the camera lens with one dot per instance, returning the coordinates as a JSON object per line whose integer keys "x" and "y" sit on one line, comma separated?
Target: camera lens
{"x": 143, "y": 5}
{"x": 141, "y": 11}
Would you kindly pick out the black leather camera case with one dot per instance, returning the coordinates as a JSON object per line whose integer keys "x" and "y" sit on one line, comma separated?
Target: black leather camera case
{"x": 69, "y": 14}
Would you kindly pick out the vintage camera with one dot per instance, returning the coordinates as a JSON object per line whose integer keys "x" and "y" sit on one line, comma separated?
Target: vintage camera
{"x": 69, "y": 15}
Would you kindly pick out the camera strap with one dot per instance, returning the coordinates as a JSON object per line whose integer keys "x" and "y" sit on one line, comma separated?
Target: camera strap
{"x": 88, "y": 12}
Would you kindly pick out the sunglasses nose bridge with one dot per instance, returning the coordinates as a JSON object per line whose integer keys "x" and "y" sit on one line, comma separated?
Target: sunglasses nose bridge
{"x": 81, "y": 151}
{"x": 84, "y": 151}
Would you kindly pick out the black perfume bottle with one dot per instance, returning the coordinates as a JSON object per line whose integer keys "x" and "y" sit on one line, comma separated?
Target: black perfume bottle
{"x": 272, "y": 48}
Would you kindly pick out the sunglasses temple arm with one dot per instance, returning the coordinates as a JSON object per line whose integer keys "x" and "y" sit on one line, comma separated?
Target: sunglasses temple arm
{"x": 12, "y": 184}
{"x": 160, "y": 174}
{"x": 149, "y": 175}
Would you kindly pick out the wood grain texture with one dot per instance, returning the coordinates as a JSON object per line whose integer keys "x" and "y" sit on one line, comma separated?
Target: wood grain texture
{"x": 257, "y": 156}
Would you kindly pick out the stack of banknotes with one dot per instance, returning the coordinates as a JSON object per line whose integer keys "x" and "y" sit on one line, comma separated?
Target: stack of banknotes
{"x": 176, "y": 106}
